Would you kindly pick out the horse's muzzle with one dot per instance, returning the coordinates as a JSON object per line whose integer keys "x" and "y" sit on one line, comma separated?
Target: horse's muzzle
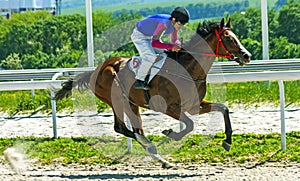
{"x": 244, "y": 59}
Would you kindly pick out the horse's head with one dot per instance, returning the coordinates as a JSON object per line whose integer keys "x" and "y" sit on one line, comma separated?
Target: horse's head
{"x": 224, "y": 42}
{"x": 232, "y": 44}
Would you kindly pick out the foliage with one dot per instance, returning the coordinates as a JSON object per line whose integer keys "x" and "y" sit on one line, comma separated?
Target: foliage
{"x": 72, "y": 6}
{"x": 283, "y": 32}
{"x": 282, "y": 48}
{"x": 14, "y": 102}
{"x": 108, "y": 150}
{"x": 58, "y": 41}
{"x": 254, "y": 93}
{"x": 244, "y": 93}
{"x": 197, "y": 11}
{"x": 289, "y": 18}
{"x": 11, "y": 62}
{"x": 44, "y": 41}
{"x": 40, "y": 40}
{"x": 64, "y": 150}
{"x": 245, "y": 148}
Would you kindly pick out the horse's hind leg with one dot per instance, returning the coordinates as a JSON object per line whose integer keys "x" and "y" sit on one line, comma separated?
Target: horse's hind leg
{"x": 206, "y": 107}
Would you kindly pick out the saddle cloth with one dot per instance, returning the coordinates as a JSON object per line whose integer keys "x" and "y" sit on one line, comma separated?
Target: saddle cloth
{"x": 135, "y": 62}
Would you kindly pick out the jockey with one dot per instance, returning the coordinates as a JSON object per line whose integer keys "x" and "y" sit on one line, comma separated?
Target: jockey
{"x": 147, "y": 40}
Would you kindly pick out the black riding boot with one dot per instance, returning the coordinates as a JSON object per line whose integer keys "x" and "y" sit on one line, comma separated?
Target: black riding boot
{"x": 139, "y": 84}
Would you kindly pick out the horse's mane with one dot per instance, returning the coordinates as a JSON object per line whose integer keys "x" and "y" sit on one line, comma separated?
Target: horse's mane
{"x": 206, "y": 28}
{"x": 203, "y": 29}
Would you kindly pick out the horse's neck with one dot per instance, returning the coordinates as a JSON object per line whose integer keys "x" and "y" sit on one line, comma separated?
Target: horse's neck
{"x": 198, "y": 64}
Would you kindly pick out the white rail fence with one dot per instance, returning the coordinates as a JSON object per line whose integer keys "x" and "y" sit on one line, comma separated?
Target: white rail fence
{"x": 271, "y": 70}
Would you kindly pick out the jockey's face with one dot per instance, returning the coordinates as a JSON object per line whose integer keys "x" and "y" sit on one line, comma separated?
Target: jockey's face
{"x": 177, "y": 25}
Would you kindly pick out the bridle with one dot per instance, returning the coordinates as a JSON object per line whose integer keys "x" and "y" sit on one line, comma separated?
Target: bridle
{"x": 220, "y": 43}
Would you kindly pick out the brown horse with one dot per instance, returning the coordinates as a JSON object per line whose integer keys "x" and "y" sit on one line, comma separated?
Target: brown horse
{"x": 179, "y": 86}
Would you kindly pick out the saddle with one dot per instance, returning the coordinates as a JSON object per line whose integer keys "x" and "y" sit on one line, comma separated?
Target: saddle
{"x": 135, "y": 62}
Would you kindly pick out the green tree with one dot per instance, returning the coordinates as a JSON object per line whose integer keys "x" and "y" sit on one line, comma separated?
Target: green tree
{"x": 281, "y": 48}
{"x": 59, "y": 31}
{"x": 38, "y": 60}
{"x": 289, "y": 21}
{"x": 254, "y": 25}
{"x": 254, "y": 47}
{"x": 115, "y": 37}
{"x": 14, "y": 32}
{"x": 11, "y": 62}
{"x": 240, "y": 25}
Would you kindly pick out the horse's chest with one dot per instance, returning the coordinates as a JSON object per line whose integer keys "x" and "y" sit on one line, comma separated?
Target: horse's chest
{"x": 201, "y": 90}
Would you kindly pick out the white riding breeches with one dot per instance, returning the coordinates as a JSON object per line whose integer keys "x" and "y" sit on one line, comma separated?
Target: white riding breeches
{"x": 147, "y": 53}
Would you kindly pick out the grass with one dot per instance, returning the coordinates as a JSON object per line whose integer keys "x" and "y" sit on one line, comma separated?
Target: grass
{"x": 245, "y": 148}
{"x": 62, "y": 150}
{"x": 254, "y": 94}
{"x": 193, "y": 148}
{"x": 247, "y": 94}
{"x": 14, "y": 102}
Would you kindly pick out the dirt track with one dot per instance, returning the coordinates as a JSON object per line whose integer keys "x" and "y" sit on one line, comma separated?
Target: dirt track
{"x": 261, "y": 120}
{"x": 152, "y": 171}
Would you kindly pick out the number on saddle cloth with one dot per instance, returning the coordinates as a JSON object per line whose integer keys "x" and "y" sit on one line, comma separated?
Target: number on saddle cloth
{"x": 136, "y": 61}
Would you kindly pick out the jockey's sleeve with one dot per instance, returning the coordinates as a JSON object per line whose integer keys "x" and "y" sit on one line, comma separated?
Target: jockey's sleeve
{"x": 156, "y": 40}
{"x": 174, "y": 38}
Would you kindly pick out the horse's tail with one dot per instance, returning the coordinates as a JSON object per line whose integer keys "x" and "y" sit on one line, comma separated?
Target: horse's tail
{"x": 81, "y": 81}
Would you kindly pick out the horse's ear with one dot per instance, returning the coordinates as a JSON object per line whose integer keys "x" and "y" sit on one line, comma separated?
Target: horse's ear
{"x": 222, "y": 23}
{"x": 228, "y": 25}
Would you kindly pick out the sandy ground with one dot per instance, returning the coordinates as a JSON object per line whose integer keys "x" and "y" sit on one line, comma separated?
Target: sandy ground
{"x": 261, "y": 120}
{"x": 244, "y": 120}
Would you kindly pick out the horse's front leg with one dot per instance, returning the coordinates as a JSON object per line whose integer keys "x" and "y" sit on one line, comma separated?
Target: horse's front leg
{"x": 206, "y": 107}
{"x": 189, "y": 126}
{"x": 151, "y": 149}
{"x": 133, "y": 114}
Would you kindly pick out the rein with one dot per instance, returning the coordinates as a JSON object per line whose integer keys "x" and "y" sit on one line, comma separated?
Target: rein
{"x": 219, "y": 44}
{"x": 186, "y": 78}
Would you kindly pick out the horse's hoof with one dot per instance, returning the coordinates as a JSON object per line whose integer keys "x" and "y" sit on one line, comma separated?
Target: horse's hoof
{"x": 171, "y": 134}
{"x": 166, "y": 165}
{"x": 167, "y": 132}
{"x": 226, "y": 146}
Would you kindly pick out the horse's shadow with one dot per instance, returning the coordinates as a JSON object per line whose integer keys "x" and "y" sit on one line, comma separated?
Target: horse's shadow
{"x": 107, "y": 176}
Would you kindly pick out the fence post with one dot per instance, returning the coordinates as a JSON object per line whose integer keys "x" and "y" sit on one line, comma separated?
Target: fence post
{"x": 282, "y": 116}
{"x": 53, "y": 106}
{"x": 32, "y": 91}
